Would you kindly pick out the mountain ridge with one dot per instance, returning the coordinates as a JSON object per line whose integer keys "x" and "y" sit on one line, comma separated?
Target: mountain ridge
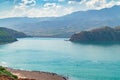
{"x": 66, "y": 25}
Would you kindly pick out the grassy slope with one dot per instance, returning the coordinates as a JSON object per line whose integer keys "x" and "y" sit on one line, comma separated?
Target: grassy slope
{"x": 3, "y": 71}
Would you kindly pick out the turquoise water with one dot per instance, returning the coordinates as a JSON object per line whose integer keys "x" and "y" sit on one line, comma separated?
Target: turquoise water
{"x": 75, "y": 60}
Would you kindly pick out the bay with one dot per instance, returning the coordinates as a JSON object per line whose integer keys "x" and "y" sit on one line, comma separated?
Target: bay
{"x": 74, "y": 60}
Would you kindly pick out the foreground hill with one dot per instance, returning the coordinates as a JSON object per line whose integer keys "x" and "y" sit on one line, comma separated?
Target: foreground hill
{"x": 9, "y": 35}
{"x": 66, "y": 25}
{"x": 6, "y": 75}
{"x": 104, "y": 34}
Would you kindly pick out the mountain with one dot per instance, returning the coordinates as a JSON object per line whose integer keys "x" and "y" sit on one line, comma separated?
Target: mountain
{"x": 66, "y": 25}
{"x": 103, "y": 34}
{"x": 9, "y": 35}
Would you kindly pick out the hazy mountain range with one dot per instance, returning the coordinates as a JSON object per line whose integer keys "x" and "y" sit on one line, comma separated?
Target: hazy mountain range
{"x": 66, "y": 25}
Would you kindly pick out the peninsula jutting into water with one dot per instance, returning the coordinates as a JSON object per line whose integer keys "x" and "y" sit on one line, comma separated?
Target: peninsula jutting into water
{"x": 103, "y": 34}
{"x": 9, "y": 35}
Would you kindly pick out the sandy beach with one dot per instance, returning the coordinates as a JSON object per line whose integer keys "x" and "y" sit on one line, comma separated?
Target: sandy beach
{"x": 37, "y": 75}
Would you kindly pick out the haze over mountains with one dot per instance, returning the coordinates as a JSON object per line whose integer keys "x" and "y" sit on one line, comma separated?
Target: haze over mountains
{"x": 66, "y": 25}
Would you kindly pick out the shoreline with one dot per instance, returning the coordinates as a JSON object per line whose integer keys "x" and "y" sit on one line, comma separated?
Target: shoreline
{"x": 37, "y": 75}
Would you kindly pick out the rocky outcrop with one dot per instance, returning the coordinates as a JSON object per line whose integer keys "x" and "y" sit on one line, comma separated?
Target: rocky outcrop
{"x": 100, "y": 34}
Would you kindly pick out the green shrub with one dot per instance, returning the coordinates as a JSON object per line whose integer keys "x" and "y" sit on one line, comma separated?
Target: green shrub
{"x": 3, "y": 71}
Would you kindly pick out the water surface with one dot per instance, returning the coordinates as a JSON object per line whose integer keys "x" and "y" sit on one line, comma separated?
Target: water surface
{"x": 75, "y": 60}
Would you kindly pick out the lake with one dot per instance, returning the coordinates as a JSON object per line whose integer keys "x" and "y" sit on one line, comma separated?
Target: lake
{"x": 75, "y": 60}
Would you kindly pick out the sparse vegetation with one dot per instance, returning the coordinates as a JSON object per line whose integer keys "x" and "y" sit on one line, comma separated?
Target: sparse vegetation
{"x": 3, "y": 71}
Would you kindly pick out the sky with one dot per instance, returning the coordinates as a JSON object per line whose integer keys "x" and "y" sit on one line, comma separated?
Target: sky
{"x": 50, "y": 8}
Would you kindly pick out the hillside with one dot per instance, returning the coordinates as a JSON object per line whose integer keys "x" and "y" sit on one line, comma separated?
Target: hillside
{"x": 5, "y": 37}
{"x": 6, "y": 75}
{"x": 103, "y": 34}
{"x": 66, "y": 25}
{"x": 9, "y": 35}
{"x": 13, "y": 33}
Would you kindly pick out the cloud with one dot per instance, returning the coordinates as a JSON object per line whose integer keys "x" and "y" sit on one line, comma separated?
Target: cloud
{"x": 74, "y": 1}
{"x": 49, "y": 5}
{"x": 99, "y": 4}
{"x": 49, "y": 10}
{"x": 30, "y": 8}
{"x": 22, "y": 8}
{"x": 96, "y": 3}
{"x": 27, "y": 3}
